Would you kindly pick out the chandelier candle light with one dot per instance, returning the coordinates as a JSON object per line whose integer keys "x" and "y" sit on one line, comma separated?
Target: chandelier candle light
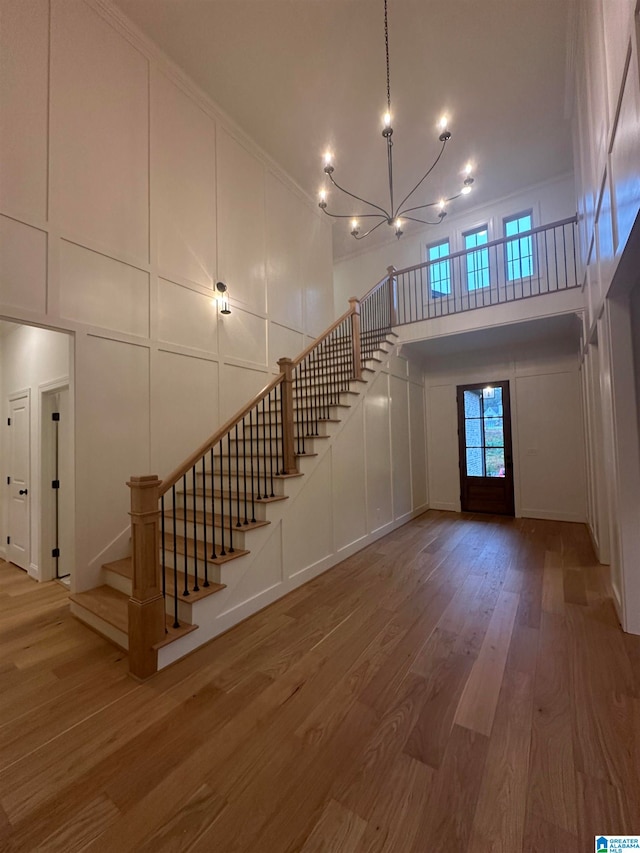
{"x": 396, "y": 214}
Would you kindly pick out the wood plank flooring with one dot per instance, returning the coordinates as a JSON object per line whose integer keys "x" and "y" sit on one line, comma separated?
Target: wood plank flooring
{"x": 461, "y": 685}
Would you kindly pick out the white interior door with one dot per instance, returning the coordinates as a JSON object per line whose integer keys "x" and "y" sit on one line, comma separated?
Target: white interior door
{"x": 18, "y": 548}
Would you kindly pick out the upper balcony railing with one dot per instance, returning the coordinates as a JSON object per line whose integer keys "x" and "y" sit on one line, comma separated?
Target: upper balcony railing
{"x": 535, "y": 262}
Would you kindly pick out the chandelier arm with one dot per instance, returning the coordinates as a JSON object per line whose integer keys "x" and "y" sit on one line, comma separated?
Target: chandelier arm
{"x": 354, "y": 215}
{"x": 357, "y": 197}
{"x": 429, "y": 204}
{"x": 423, "y": 221}
{"x": 370, "y": 231}
{"x": 423, "y": 178}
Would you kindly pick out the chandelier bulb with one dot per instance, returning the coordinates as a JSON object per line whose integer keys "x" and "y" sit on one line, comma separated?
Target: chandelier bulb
{"x": 466, "y": 189}
{"x": 355, "y": 230}
{"x": 442, "y": 124}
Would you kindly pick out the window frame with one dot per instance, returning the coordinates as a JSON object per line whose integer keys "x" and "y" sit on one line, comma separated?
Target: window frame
{"x": 477, "y": 229}
{"x": 433, "y": 294}
{"x": 513, "y": 238}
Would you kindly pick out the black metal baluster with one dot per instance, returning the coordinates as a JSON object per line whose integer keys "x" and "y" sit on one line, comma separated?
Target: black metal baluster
{"x": 575, "y": 265}
{"x": 546, "y": 259}
{"x": 229, "y": 478}
{"x": 564, "y": 254}
{"x": 176, "y": 623}
{"x": 244, "y": 464}
{"x": 271, "y": 493}
{"x": 264, "y": 444}
{"x": 253, "y": 487}
{"x": 223, "y": 552}
{"x": 185, "y": 543}
{"x": 196, "y": 588}
{"x": 238, "y": 522}
{"x": 213, "y": 505}
{"x": 163, "y": 554}
{"x": 204, "y": 519}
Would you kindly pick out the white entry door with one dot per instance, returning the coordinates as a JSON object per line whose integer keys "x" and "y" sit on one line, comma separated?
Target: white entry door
{"x": 19, "y": 427}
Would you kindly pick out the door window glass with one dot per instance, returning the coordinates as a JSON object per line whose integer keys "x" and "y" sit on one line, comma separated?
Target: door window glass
{"x": 484, "y": 432}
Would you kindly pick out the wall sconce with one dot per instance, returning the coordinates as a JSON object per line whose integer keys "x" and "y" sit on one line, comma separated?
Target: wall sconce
{"x": 223, "y": 299}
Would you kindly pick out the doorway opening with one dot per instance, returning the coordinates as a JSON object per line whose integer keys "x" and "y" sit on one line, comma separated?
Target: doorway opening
{"x": 486, "y": 458}
{"x": 37, "y": 494}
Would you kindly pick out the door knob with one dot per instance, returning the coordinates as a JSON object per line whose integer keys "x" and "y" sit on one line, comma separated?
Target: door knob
{"x": 23, "y": 492}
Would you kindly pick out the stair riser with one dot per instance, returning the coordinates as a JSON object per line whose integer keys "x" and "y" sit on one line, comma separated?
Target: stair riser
{"x": 99, "y": 625}
{"x": 239, "y": 533}
{"x": 260, "y": 433}
{"x": 216, "y": 573}
{"x": 197, "y": 503}
{"x": 256, "y": 448}
{"x": 237, "y": 482}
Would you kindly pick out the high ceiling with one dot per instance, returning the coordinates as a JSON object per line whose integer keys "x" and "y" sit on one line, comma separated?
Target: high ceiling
{"x": 303, "y": 75}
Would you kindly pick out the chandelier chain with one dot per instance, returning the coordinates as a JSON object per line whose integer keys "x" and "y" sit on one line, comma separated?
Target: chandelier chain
{"x": 386, "y": 48}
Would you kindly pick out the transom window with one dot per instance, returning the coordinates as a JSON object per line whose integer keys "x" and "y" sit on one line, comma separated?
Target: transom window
{"x": 439, "y": 271}
{"x": 477, "y": 262}
{"x": 518, "y": 253}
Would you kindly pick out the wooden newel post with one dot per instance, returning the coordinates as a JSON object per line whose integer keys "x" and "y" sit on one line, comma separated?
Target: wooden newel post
{"x": 286, "y": 407}
{"x": 354, "y": 304}
{"x": 393, "y": 296}
{"x": 146, "y": 605}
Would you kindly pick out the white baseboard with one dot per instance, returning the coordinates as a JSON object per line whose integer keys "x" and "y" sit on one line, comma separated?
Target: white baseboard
{"x": 551, "y": 515}
{"x": 34, "y": 571}
{"x": 447, "y": 506}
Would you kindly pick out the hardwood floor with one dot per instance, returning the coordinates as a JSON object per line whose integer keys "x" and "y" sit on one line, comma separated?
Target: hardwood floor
{"x": 461, "y": 685}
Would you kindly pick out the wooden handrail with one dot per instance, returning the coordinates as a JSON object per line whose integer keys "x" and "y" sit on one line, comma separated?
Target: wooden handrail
{"x": 374, "y": 288}
{"x": 206, "y": 446}
{"x": 561, "y": 222}
{"x": 182, "y": 469}
{"x": 296, "y": 361}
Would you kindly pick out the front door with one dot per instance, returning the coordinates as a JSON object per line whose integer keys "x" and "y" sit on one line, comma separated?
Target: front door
{"x": 484, "y": 430}
{"x": 19, "y": 426}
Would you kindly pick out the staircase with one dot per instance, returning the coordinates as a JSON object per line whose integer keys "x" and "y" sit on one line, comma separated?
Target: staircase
{"x": 211, "y": 507}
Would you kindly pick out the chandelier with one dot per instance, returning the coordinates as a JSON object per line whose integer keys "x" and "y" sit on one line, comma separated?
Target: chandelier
{"x": 395, "y": 214}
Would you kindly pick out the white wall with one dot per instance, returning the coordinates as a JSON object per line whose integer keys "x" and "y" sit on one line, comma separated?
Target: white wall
{"x": 30, "y": 358}
{"x": 550, "y": 202}
{"x": 547, "y": 425}
{"x": 124, "y": 196}
{"x": 607, "y": 169}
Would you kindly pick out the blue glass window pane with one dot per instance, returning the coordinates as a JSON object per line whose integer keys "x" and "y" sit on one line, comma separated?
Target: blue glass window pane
{"x": 472, "y": 407}
{"x": 493, "y": 432}
{"x": 475, "y": 462}
{"x": 492, "y": 400}
{"x": 439, "y": 271}
{"x": 495, "y": 466}
{"x": 473, "y": 432}
{"x": 477, "y": 262}
{"x": 519, "y": 253}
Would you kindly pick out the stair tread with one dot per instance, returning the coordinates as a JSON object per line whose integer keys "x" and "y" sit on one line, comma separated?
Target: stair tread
{"x": 199, "y": 550}
{"x": 200, "y": 491}
{"x": 108, "y": 603}
{"x": 200, "y": 517}
{"x": 112, "y": 606}
{"x": 203, "y": 591}
{"x": 125, "y": 568}
{"x": 120, "y": 567}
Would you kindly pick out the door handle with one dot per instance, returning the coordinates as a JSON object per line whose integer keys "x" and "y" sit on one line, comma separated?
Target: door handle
{"x": 23, "y": 492}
